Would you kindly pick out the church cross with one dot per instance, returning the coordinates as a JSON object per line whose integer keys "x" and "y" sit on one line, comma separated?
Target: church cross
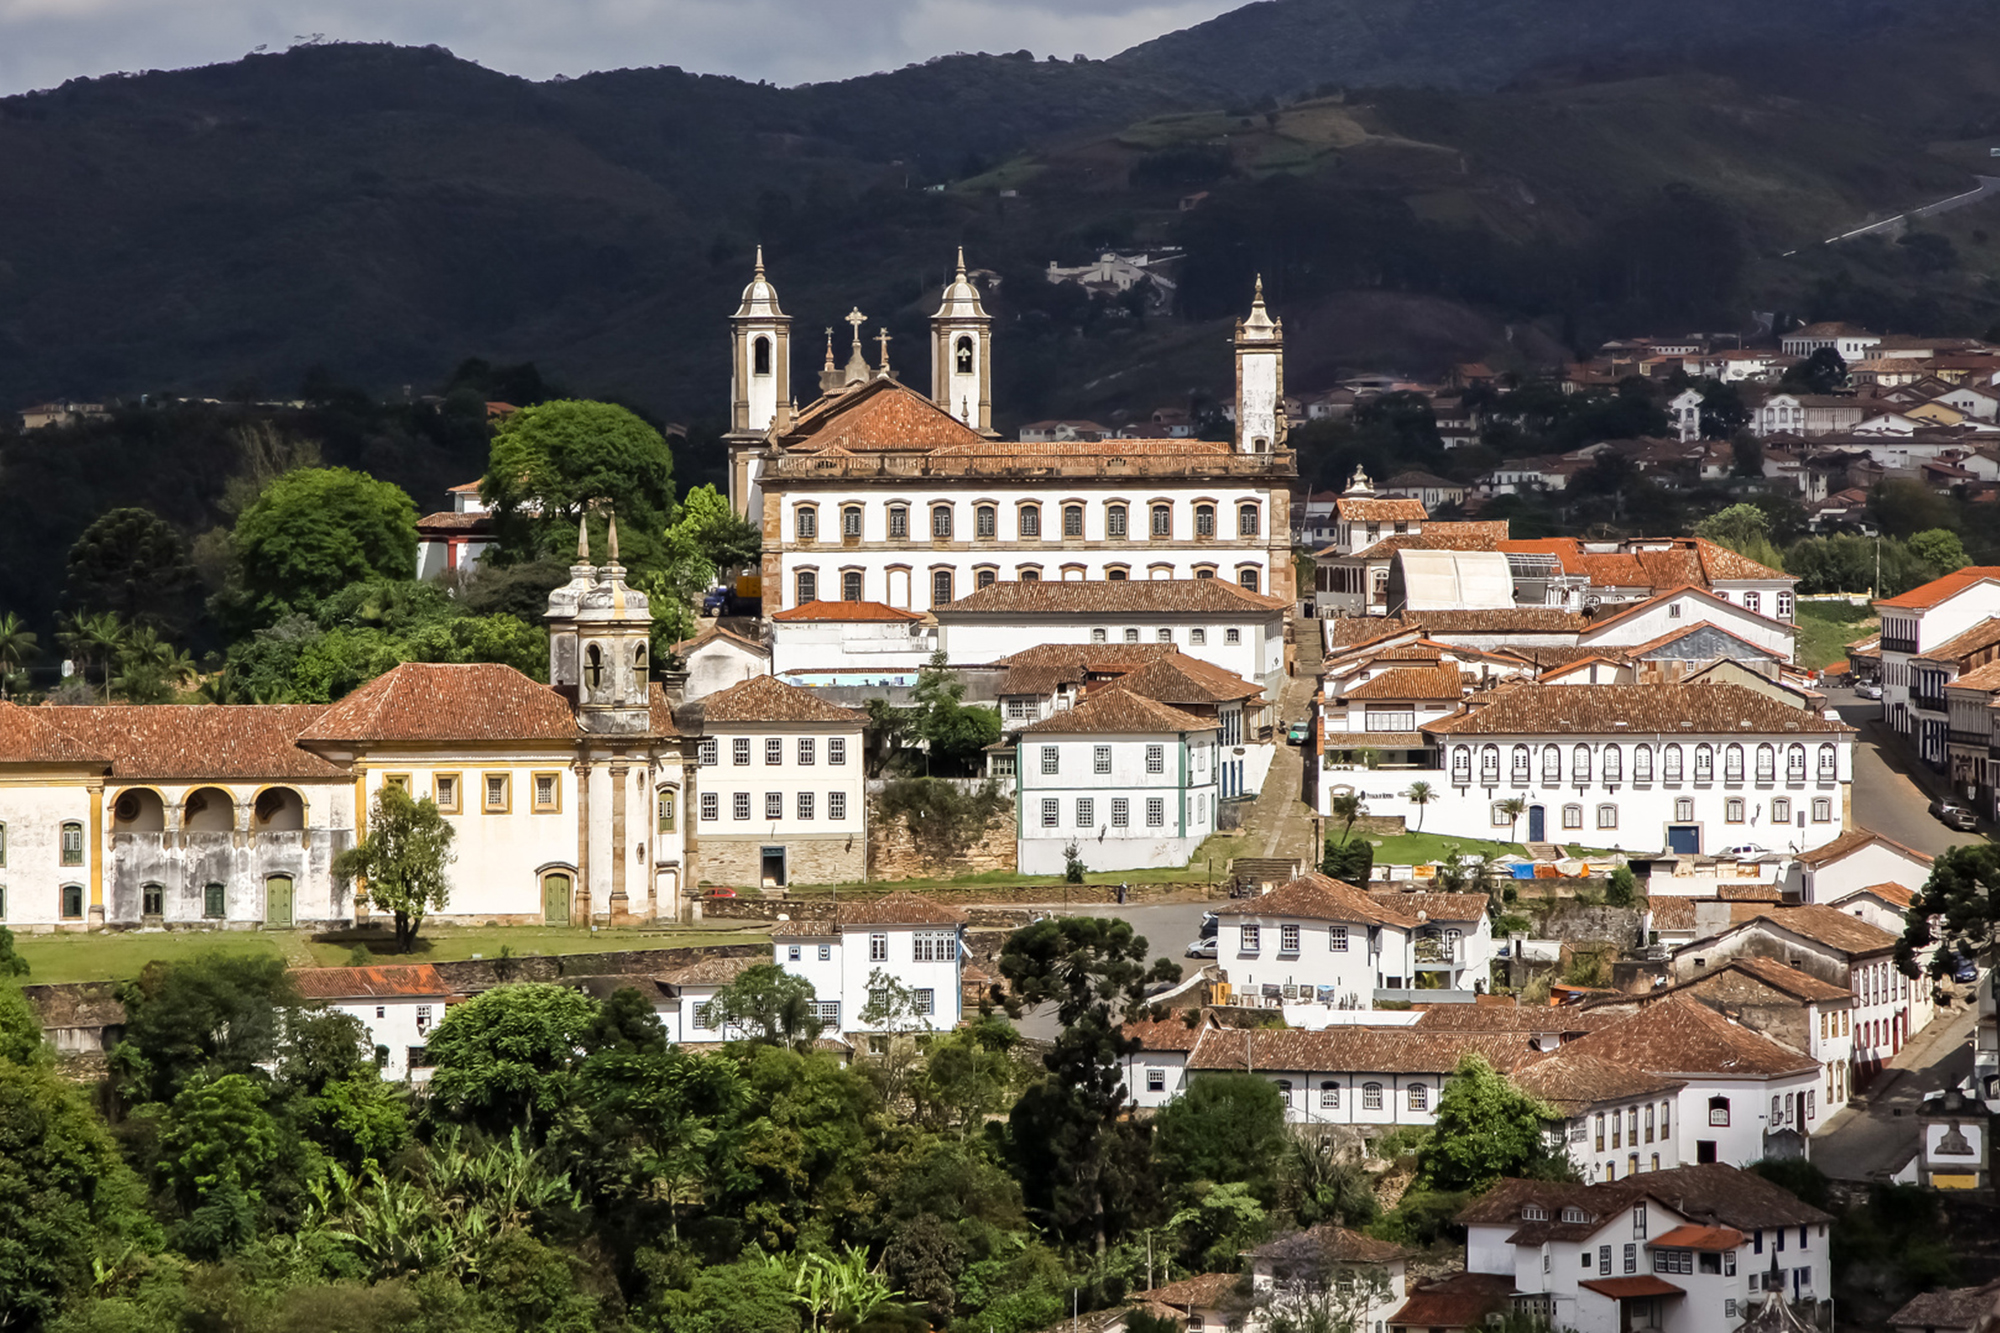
{"x": 882, "y": 337}
{"x": 857, "y": 319}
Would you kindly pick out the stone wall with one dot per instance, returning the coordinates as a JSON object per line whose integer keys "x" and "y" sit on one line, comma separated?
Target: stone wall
{"x": 1578, "y": 924}
{"x": 834, "y": 860}
{"x": 1375, "y": 826}
{"x": 893, "y": 854}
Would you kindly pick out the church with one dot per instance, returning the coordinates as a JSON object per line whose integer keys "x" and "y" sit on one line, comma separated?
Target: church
{"x": 875, "y": 492}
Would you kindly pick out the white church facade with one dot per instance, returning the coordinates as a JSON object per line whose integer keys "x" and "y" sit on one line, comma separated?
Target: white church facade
{"x": 878, "y": 493}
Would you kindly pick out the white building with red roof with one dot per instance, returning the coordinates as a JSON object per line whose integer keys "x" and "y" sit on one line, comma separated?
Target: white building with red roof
{"x": 850, "y": 635}
{"x": 1916, "y": 625}
{"x": 399, "y": 1005}
{"x": 867, "y": 950}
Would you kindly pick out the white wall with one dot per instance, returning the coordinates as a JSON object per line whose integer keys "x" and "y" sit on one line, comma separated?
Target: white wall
{"x": 397, "y": 1023}
{"x": 830, "y": 783}
{"x": 883, "y": 645}
{"x": 1250, "y": 646}
{"x": 1185, "y": 788}
{"x": 1660, "y": 618}
{"x": 1334, "y": 955}
{"x": 1603, "y": 1141}
{"x": 1741, "y": 1141}
{"x": 34, "y": 874}
{"x": 842, "y": 975}
{"x": 719, "y": 664}
{"x": 1877, "y": 863}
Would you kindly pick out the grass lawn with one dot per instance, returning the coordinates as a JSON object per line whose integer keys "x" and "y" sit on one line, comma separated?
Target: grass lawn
{"x": 1414, "y": 849}
{"x": 120, "y": 954}
{"x": 1826, "y": 628}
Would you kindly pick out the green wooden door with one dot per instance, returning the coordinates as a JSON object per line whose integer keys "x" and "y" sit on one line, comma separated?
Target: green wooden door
{"x": 278, "y": 901}
{"x": 555, "y": 899}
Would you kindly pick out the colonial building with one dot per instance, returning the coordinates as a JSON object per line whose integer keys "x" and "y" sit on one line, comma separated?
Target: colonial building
{"x": 904, "y": 938}
{"x": 876, "y": 492}
{"x": 1916, "y": 627}
{"x": 399, "y": 1006}
{"x": 1350, "y": 1074}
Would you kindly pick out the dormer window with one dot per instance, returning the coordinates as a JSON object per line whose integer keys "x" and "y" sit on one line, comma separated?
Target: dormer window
{"x": 1534, "y": 1212}
{"x": 1574, "y": 1216}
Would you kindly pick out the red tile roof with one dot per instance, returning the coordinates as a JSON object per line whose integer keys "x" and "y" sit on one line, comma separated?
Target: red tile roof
{"x": 1329, "y": 1242}
{"x": 899, "y": 909}
{"x": 1205, "y": 1292}
{"x": 1832, "y": 927}
{"x": 1360, "y": 510}
{"x": 1180, "y": 679}
{"x": 1357, "y": 1050}
{"x": 877, "y": 415}
{"x": 1683, "y": 1036}
{"x": 1441, "y": 682}
{"x": 173, "y": 741}
{"x": 1419, "y": 906}
{"x": 716, "y": 633}
{"x": 710, "y": 971}
{"x": 1573, "y": 1081}
{"x": 1630, "y": 1288}
{"x": 1961, "y": 646}
{"x": 430, "y": 701}
{"x": 768, "y": 699}
{"x": 1852, "y": 841}
{"x": 1457, "y": 1301}
{"x": 1801, "y": 986}
{"x": 1895, "y": 894}
{"x": 1317, "y": 897}
{"x": 407, "y": 981}
{"x": 1692, "y": 1237}
{"x": 844, "y": 611}
{"x": 1940, "y": 590}
{"x": 1167, "y": 1034}
{"x": 1630, "y": 710}
{"x": 28, "y": 737}
{"x": 1115, "y": 711}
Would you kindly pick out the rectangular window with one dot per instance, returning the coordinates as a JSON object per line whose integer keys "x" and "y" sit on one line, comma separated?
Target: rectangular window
{"x": 1572, "y": 816}
{"x": 941, "y": 523}
{"x": 1822, "y": 810}
{"x": 1114, "y": 521}
{"x": 1604, "y": 1261}
{"x": 444, "y": 790}
{"x": 899, "y": 522}
{"x": 805, "y": 749}
{"x": 940, "y": 586}
{"x": 1232, "y": 636}
{"x": 1732, "y": 810}
{"x": 664, "y": 810}
{"x": 793, "y": 953}
{"x": 1781, "y": 810}
{"x": 3, "y": 844}
{"x": 1336, "y": 939}
{"x": 774, "y": 805}
{"x": 836, "y": 751}
{"x": 1072, "y": 520}
{"x": 1100, "y": 759}
{"x": 805, "y": 521}
{"x": 72, "y": 844}
{"x": 211, "y": 900}
{"x": 826, "y": 953}
{"x": 808, "y": 586}
{"x": 878, "y": 948}
{"x": 707, "y": 753}
{"x": 1252, "y": 939}
{"x": 739, "y": 805}
{"x": 926, "y": 1000}
{"x": 1051, "y": 760}
{"x": 836, "y": 805}
{"x": 1031, "y": 521}
{"x": 1198, "y": 637}
{"x": 1156, "y": 1080}
{"x": 805, "y": 805}
{"x": 1121, "y": 812}
{"x": 711, "y": 807}
{"x": 1086, "y": 812}
{"x": 1607, "y": 816}
{"x": 496, "y": 793}
{"x": 400, "y": 781}
{"x": 548, "y": 793}
{"x": 774, "y": 751}
{"x": 739, "y": 750}
{"x": 1051, "y": 813}
{"x": 1156, "y": 812}
{"x": 1156, "y": 758}
{"x": 1631, "y": 1260}
{"x": 1683, "y": 808}
{"x": 1246, "y": 520}
{"x": 1288, "y": 939}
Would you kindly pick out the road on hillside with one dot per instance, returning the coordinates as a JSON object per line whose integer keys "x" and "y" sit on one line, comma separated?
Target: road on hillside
{"x": 1892, "y": 791}
{"x": 1167, "y": 927}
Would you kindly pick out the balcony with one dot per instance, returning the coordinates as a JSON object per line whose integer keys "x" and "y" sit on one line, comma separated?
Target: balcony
{"x": 1418, "y": 995}
{"x": 1978, "y": 739}
{"x": 1890, "y": 645}
{"x": 1929, "y": 703}
{"x": 1438, "y": 951}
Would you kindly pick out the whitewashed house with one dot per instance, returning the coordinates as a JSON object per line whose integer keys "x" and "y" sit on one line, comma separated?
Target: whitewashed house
{"x": 906, "y": 938}
{"x": 778, "y": 787}
{"x": 1644, "y": 622}
{"x": 456, "y": 540}
{"x": 1241, "y": 631}
{"x": 1156, "y": 1072}
{"x": 685, "y": 994}
{"x": 1686, "y": 768}
{"x": 717, "y": 658}
{"x": 1681, "y": 1251}
{"x": 1293, "y": 1276}
{"x": 1617, "y": 1121}
{"x": 1130, "y": 782}
{"x": 1917, "y": 623}
{"x": 1351, "y": 1074}
{"x": 399, "y": 1005}
{"x": 1857, "y": 859}
{"x": 849, "y": 635}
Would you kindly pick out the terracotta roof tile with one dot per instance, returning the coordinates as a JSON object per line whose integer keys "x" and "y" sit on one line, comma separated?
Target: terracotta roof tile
{"x": 1699, "y": 626}
{"x": 1633, "y": 710}
{"x": 1951, "y": 1311}
{"x": 1361, "y": 510}
{"x": 1113, "y": 711}
{"x": 1102, "y": 597}
{"x": 1166, "y": 1034}
{"x": 1457, "y": 1301}
{"x": 429, "y": 701}
{"x": 1709, "y": 1193}
{"x": 1982, "y": 680}
{"x": 1853, "y": 841}
{"x": 1573, "y": 1081}
{"x": 1485, "y": 536}
{"x": 1433, "y": 906}
{"x": 1961, "y": 646}
{"x": 1205, "y": 1292}
{"x": 1672, "y": 912}
{"x": 844, "y": 611}
{"x": 1441, "y": 682}
{"x": 1629, "y": 1288}
{"x": 1832, "y": 927}
{"x": 877, "y": 415}
{"x": 1694, "y": 1237}
{"x": 1940, "y": 590}
{"x": 1895, "y": 894}
{"x": 768, "y": 699}
{"x": 246, "y": 741}
{"x": 899, "y": 909}
{"x": 1509, "y": 1017}
{"x": 1316, "y": 897}
{"x": 451, "y": 521}
{"x": 30, "y": 736}
{"x": 408, "y": 981}
{"x": 1329, "y": 1243}
{"x": 662, "y": 710}
{"x": 714, "y": 634}
{"x": 1683, "y": 1036}
{"x": 1187, "y": 680}
{"x": 710, "y": 971}
{"x": 1359, "y": 1050}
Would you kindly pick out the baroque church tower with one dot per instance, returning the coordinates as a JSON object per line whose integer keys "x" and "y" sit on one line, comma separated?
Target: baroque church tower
{"x": 961, "y": 355}
{"x": 1260, "y": 379}
{"x": 760, "y": 379}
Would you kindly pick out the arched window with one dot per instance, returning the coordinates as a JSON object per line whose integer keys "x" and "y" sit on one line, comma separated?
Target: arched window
{"x": 1461, "y": 764}
{"x": 941, "y": 522}
{"x": 1718, "y": 1111}
{"x": 1371, "y": 1096}
{"x": 1829, "y": 763}
{"x": 1572, "y": 816}
{"x": 1489, "y": 765}
{"x": 1579, "y": 765}
{"x": 1670, "y": 763}
{"x": 940, "y": 586}
{"x": 1031, "y": 521}
{"x": 850, "y": 522}
{"x": 639, "y": 659}
{"x": 1420, "y": 1097}
{"x": 965, "y": 356}
{"x": 1163, "y": 520}
{"x": 984, "y": 578}
{"x": 1072, "y": 520}
{"x": 1614, "y": 764}
{"x": 1247, "y": 578}
{"x": 1520, "y": 765}
{"x": 850, "y": 585}
{"x": 1642, "y": 763}
{"x": 593, "y": 667}
{"x": 1704, "y": 763}
{"x": 1204, "y": 521}
{"x": 1247, "y": 523}
{"x": 1114, "y": 522}
{"x": 1767, "y": 763}
{"x": 806, "y": 587}
{"x": 760, "y": 357}
{"x": 1329, "y": 1096}
{"x": 1795, "y": 763}
{"x": 805, "y": 523}
{"x": 1552, "y": 765}
{"x": 1732, "y": 764}
{"x": 985, "y": 522}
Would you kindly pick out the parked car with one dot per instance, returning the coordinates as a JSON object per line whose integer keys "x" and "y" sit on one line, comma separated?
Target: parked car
{"x": 1954, "y": 815}
{"x": 1210, "y": 923}
{"x": 1868, "y": 689}
{"x": 1743, "y": 851}
{"x": 1296, "y": 733}
{"x": 722, "y": 893}
{"x": 1206, "y": 947}
{"x": 1963, "y": 969}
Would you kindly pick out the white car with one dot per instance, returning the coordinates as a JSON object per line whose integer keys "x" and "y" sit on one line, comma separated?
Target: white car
{"x": 1868, "y": 689}
{"x": 1744, "y": 850}
{"x": 1202, "y": 948}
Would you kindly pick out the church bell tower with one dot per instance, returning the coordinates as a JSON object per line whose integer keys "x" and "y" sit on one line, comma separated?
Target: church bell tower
{"x": 1260, "y": 379}
{"x": 614, "y": 629}
{"x": 760, "y": 380}
{"x": 962, "y": 354}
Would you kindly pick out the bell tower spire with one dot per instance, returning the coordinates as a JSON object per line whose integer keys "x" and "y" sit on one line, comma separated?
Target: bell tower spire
{"x": 1260, "y": 379}
{"x": 760, "y": 378}
{"x": 962, "y": 354}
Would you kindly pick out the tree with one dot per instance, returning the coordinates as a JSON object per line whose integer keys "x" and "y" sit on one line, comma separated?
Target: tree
{"x": 1347, "y": 807}
{"x": 133, "y": 564}
{"x": 1326, "y": 1187}
{"x": 509, "y": 1056}
{"x": 770, "y": 1005}
{"x": 217, "y": 1146}
{"x": 892, "y": 1011}
{"x": 1420, "y": 795}
{"x": 18, "y": 645}
{"x": 1350, "y": 862}
{"x": 214, "y": 1014}
{"x": 96, "y": 638}
{"x": 11, "y": 962}
{"x": 1822, "y": 372}
{"x": 1904, "y": 508}
{"x": 1224, "y": 1128}
{"x": 402, "y": 860}
{"x": 1313, "y": 1291}
{"x": 1957, "y": 910}
{"x": 1486, "y": 1129}
{"x": 956, "y": 732}
{"x": 316, "y": 530}
{"x": 1081, "y": 1163}
{"x": 1941, "y": 549}
{"x": 707, "y": 537}
{"x": 1744, "y": 529}
{"x": 555, "y": 462}
{"x": 1723, "y": 414}
{"x": 1513, "y": 807}
{"x": 1623, "y": 888}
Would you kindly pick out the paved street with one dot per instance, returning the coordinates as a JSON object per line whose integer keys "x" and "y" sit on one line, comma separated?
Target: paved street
{"x": 1892, "y": 791}
{"x": 1870, "y": 1142}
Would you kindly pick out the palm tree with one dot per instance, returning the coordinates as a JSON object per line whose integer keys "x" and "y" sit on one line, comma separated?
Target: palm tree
{"x": 99, "y": 638}
{"x": 1347, "y": 808}
{"x": 1513, "y": 807}
{"x": 1420, "y": 794}
{"x": 17, "y": 646}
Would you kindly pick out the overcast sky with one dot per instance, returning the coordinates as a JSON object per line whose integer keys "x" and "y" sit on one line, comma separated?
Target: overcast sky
{"x": 43, "y": 42}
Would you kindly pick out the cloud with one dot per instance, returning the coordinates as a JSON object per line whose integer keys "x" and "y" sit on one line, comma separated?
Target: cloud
{"x": 43, "y": 42}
